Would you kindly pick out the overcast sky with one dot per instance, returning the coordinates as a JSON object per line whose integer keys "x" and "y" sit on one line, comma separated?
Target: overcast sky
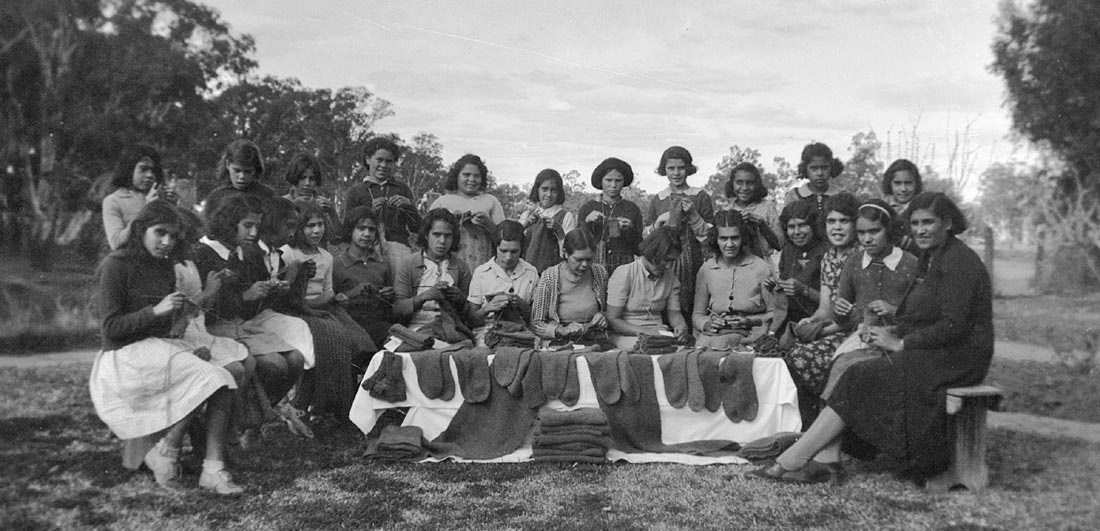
{"x": 564, "y": 84}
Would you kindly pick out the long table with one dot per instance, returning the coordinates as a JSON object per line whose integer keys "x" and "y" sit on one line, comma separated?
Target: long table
{"x": 775, "y": 392}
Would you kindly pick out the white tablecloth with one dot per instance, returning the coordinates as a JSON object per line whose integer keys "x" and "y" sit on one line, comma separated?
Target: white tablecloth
{"x": 775, "y": 393}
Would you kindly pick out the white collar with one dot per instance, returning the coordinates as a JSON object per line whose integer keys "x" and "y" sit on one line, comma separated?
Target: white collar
{"x": 220, "y": 248}
{"x": 521, "y": 267}
{"x": 550, "y": 210}
{"x": 691, "y": 191}
{"x": 892, "y": 260}
{"x": 833, "y": 189}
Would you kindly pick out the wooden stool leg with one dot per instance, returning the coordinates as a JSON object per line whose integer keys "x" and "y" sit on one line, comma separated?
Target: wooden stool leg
{"x": 970, "y": 430}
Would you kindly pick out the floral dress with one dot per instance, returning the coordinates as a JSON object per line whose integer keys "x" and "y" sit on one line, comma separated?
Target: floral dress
{"x": 809, "y": 362}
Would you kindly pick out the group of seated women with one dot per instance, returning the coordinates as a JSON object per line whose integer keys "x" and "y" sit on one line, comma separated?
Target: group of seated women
{"x": 271, "y": 306}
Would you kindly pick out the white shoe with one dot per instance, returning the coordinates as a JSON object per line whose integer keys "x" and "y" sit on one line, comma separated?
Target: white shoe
{"x": 164, "y": 462}
{"x": 220, "y": 482}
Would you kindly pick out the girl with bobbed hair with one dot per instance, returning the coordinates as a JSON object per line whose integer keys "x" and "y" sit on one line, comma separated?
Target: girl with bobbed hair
{"x": 547, "y": 222}
{"x": 614, "y": 221}
{"x": 640, "y": 292}
{"x": 894, "y": 403}
{"x": 432, "y": 284}
{"x": 732, "y": 304}
{"x": 819, "y": 334}
{"x": 901, "y": 182}
{"x": 687, "y": 210}
{"x": 571, "y": 297}
{"x": 304, "y": 176}
{"x": 800, "y": 259}
{"x": 747, "y": 194}
{"x": 818, "y": 166}
{"x": 363, "y": 276}
{"x": 239, "y": 170}
{"x": 478, "y": 212}
{"x": 138, "y": 179}
{"x": 390, "y": 198}
{"x": 146, "y": 382}
{"x": 502, "y": 289}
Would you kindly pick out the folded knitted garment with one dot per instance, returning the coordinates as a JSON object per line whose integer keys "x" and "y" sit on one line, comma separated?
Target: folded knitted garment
{"x": 397, "y": 443}
{"x": 387, "y": 383}
{"x": 510, "y": 334}
{"x": 574, "y": 447}
{"x": 739, "y": 400}
{"x": 654, "y": 345}
{"x": 569, "y": 459}
{"x": 594, "y": 431}
{"x": 433, "y": 374}
{"x": 591, "y": 452}
{"x": 559, "y": 376}
{"x": 584, "y": 416}
{"x": 544, "y": 440}
{"x": 807, "y": 331}
{"x": 770, "y": 446}
{"x": 411, "y": 341}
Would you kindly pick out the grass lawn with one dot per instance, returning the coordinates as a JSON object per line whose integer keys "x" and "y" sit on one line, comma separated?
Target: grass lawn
{"x": 61, "y": 470}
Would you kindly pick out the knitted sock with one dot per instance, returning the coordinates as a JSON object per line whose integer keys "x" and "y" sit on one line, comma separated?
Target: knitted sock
{"x": 473, "y": 373}
{"x": 712, "y": 379}
{"x": 696, "y": 394}
{"x": 505, "y": 364}
{"x": 674, "y": 373}
{"x": 559, "y": 376}
{"x": 604, "y": 370}
{"x": 631, "y": 391}
{"x": 533, "y": 393}
{"x": 739, "y": 399}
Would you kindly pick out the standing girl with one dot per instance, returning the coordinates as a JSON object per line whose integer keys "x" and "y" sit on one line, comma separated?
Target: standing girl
{"x": 239, "y": 171}
{"x": 304, "y": 176}
{"x": 615, "y": 222}
{"x": 547, "y": 223}
{"x": 900, "y": 183}
{"x": 478, "y": 212}
{"x": 732, "y": 306}
{"x": 144, "y": 384}
{"x": 747, "y": 195}
{"x": 818, "y": 167}
{"x": 687, "y": 210}
{"x": 139, "y": 179}
{"x": 391, "y": 199}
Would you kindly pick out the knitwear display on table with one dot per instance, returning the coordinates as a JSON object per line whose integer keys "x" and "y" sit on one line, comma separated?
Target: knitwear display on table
{"x": 577, "y": 436}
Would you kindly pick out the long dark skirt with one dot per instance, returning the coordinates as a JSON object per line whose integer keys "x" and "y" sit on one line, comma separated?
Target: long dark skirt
{"x": 330, "y": 385}
{"x": 896, "y": 404}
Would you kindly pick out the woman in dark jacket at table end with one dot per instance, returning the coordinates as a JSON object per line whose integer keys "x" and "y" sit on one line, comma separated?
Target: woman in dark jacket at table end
{"x": 896, "y": 403}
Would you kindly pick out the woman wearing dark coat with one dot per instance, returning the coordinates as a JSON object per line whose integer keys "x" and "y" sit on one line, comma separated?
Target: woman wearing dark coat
{"x": 896, "y": 403}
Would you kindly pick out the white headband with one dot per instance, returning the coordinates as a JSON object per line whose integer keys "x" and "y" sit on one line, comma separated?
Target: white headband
{"x": 872, "y": 205}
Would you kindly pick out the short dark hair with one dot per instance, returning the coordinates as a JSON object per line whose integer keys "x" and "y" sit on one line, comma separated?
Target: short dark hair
{"x": 659, "y": 244}
{"x": 276, "y": 211}
{"x": 676, "y": 152}
{"x": 730, "y": 218}
{"x": 450, "y": 184}
{"x": 805, "y": 209}
{"x": 352, "y": 219}
{"x": 221, "y": 222}
{"x": 190, "y": 225}
{"x": 124, "y": 172}
{"x": 509, "y": 231}
{"x": 154, "y": 213}
{"x": 380, "y": 142}
{"x": 879, "y": 211}
{"x": 306, "y": 211}
{"x": 896, "y": 166}
{"x": 750, "y": 168}
{"x": 434, "y": 215}
{"x": 243, "y": 153}
{"x": 297, "y": 167}
{"x": 606, "y": 166}
{"x": 844, "y": 202}
{"x": 548, "y": 175}
{"x": 578, "y": 239}
{"x": 817, "y": 149}
{"x": 942, "y": 207}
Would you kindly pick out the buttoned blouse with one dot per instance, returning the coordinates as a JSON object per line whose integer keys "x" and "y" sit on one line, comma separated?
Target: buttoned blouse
{"x": 720, "y": 288}
{"x": 642, "y": 296}
{"x": 489, "y": 279}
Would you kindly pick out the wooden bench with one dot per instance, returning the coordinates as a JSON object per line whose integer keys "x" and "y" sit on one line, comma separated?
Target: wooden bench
{"x": 967, "y": 407}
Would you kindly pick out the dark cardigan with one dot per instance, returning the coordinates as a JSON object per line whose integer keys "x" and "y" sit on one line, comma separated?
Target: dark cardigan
{"x": 129, "y": 286}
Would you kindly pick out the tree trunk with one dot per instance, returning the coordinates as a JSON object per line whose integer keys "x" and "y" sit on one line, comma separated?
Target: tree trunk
{"x": 1064, "y": 269}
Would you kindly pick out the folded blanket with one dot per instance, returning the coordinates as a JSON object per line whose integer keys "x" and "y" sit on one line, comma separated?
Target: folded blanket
{"x": 559, "y": 376}
{"x": 411, "y": 341}
{"x": 473, "y": 373}
{"x": 574, "y": 447}
{"x": 397, "y": 443}
{"x": 590, "y": 452}
{"x": 485, "y": 430}
{"x": 770, "y": 446}
{"x": 739, "y": 400}
{"x": 570, "y": 459}
{"x": 579, "y": 429}
{"x": 584, "y": 416}
{"x": 388, "y": 382}
{"x": 637, "y": 427}
{"x": 601, "y": 441}
{"x": 433, "y": 372}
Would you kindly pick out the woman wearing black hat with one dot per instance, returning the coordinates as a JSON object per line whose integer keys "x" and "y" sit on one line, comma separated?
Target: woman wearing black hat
{"x": 615, "y": 222}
